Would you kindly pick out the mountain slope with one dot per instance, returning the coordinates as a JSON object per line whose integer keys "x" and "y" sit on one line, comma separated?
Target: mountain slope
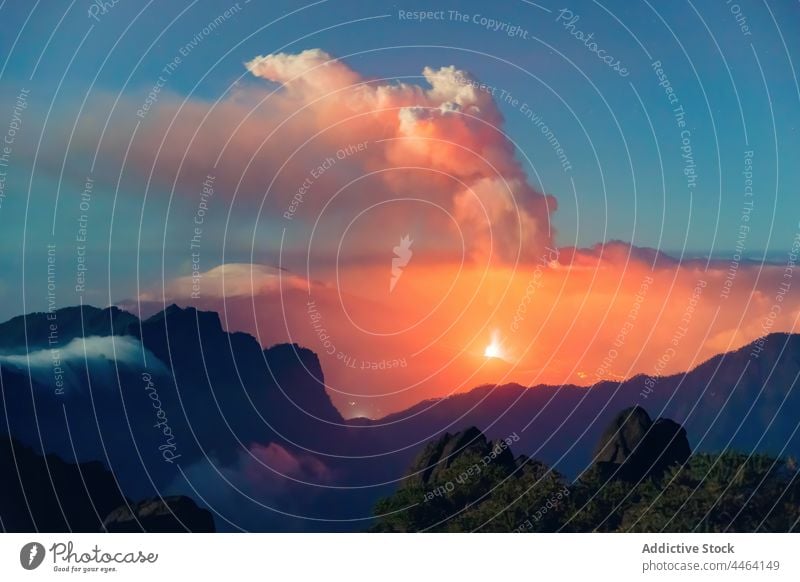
{"x": 733, "y": 400}
{"x": 176, "y": 395}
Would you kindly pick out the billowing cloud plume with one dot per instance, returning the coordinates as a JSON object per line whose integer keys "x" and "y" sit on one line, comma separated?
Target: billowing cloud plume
{"x": 318, "y": 141}
{"x": 341, "y": 167}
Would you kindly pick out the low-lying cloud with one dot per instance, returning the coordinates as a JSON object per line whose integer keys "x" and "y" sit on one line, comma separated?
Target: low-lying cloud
{"x": 97, "y": 355}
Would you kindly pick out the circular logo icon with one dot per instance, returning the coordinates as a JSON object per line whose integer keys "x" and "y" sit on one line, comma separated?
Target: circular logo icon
{"x": 31, "y": 555}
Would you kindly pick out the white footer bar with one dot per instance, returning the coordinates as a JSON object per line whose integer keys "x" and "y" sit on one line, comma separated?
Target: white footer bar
{"x": 388, "y": 557}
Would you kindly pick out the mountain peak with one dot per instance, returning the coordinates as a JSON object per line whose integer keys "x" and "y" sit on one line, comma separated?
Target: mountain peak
{"x": 191, "y": 316}
{"x": 298, "y": 374}
{"x": 32, "y": 331}
{"x": 634, "y": 447}
{"x": 440, "y": 454}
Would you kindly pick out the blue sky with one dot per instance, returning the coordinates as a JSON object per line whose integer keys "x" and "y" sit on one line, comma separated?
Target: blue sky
{"x": 737, "y": 87}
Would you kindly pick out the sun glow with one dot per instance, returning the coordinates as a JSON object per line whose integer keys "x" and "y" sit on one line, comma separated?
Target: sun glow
{"x": 494, "y": 350}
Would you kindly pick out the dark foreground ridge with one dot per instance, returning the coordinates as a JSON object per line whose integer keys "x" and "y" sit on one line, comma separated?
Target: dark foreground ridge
{"x": 175, "y": 406}
{"x": 45, "y": 494}
{"x": 645, "y": 479}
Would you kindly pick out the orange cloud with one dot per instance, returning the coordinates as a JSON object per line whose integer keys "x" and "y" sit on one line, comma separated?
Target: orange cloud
{"x": 314, "y": 136}
{"x": 226, "y": 281}
{"x": 362, "y": 163}
{"x": 578, "y": 316}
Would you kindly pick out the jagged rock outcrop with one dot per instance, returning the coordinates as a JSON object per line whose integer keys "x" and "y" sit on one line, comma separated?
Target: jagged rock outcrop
{"x": 298, "y": 375}
{"x": 32, "y": 331}
{"x": 170, "y": 514}
{"x": 633, "y": 447}
{"x": 440, "y": 454}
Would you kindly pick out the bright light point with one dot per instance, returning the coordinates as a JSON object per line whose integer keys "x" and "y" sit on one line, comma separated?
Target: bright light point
{"x": 493, "y": 350}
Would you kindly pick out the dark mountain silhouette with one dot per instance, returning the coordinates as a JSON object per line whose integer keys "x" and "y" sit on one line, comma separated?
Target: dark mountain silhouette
{"x": 306, "y": 380}
{"x": 462, "y": 481}
{"x": 633, "y": 447}
{"x": 217, "y": 393}
{"x": 226, "y": 401}
{"x": 645, "y": 480}
{"x": 69, "y": 322}
{"x": 732, "y": 401}
{"x": 46, "y": 494}
{"x": 439, "y": 455}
